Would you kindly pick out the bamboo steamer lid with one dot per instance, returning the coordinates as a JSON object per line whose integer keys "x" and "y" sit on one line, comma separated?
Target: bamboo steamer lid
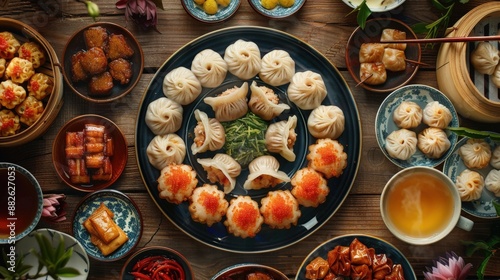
{"x": 453, "y": 75}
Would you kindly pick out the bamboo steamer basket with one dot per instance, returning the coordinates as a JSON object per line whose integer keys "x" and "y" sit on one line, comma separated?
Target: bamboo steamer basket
{"x": 52, "y": 67}
{"x": 454, "y": 73}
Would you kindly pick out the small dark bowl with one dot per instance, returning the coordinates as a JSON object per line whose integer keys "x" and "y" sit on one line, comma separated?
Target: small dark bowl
{"x": 371, "y": 34}
{"x": 118, "y": 160}
{"x": 240, "y": 271}
{"x": 154, "y": 251}
{"x": 278, "y": 11}
{"x": 76, "y": 43}
{"x": 223, "y": 14}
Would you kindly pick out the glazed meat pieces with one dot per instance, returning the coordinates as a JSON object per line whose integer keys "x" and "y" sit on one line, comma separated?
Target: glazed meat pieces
{"x": 94, "y": 61}
{"x": 121, "y": 70}
{"x": 118, "y": 47}
{"x": 101, "y": 84}
{"x": 96, "y": 36}
{"x": 78, "y": 74}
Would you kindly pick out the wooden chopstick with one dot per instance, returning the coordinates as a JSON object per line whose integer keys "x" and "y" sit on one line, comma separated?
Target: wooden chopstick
{"x": 444, "y": 40}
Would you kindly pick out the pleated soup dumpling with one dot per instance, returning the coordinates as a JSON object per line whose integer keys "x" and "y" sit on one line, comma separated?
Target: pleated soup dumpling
{"x": 390, "y": 34}
{"x": 433, "y": 142}
{"x": 327, "y": 156}
{"x": 280, "y": 209}
{"x": 176, "y": 183}
{"x": 243, "y": 59}
{"x": 278, "y": 68}
{"x": 484, "y": 58}
{"x": 307, "y": 90}
{"x": 264, "y": 173}
{"x": 401, "y": 144}
{"x": 166, "y": 149}
{"x": 495, "y": 158}
{"x": 326, "y": 121}
{"x": 280, "y": 138}
{"x": 371, "y": 52}
{"x": 372, "y": 73}
{"x": 181, "y": 85}
{"x": 475, "y": 153}
{"x": 164, "y": 116}
{"x": 209, "y": 134}
{"x": 309, "y": 187}
{"x": 209, "y": 67}
{"x": 408, "y": 115}
{"x": 470, "y": 185}
{"x": 207, "y": 205}
{"x": 436, "y": 114}
{"x": 265, "y": 103}
{"x": 230, "y": 104}
{"x": 243, "y": 217}
{"x": 394, "y": 60}
{"x": 492, "y": 182}
{"x": 221, "y": 169}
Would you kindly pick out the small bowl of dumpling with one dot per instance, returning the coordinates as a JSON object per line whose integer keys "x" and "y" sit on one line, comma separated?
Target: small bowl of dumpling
{"x": 378, "y": 66}
{"x": 474, "y": 166}
{"x": 411, "y": 126}
{"x": 276, "y": 9}
{"x": 211, "y": 11}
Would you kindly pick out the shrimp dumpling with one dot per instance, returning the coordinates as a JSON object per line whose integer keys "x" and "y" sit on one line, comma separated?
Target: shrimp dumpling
{"x": 181, "y": 85}
{"x": 407, "y": 115}
{"x": 222, "y": 169}
{"x": 326, "y": 121}
{"x": 373, "y": 73}
{"x": 495, "y": 158}
{"x": 166, "y": 149}
{"x": 265, "y": 103}
{"x": 401, "y": 144}
{"x": 475, "y": 153}
{"x": 264, "y": 172}
{"x": 433, "y": 142}
{"x": 394, "y": 60}
{"x": 485, "y": 58}
{"x": 209, "y": 67}
{"x": 209, "y": 134}
{"x": 371, "y": 52}
{"x": 470, "y": 185}
{"x": 390, "y": 34}
{"x": 243, "y": 59}
{"x": 492, "y": 182}
{"x": 307, "y": 90}
{"x": 436, "y": 114}
{"x": 277, "y": 68}
{"x": 281, "y": 137}
{"x": 230, "y": 104}
{"x": 164, "y": 116}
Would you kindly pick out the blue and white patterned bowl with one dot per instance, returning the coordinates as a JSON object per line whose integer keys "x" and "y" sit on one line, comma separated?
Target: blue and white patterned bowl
{"x": 386, "y": 6}
{"x": 278, "y": 11}
{"x": 384, "y": 124}
{"x": 127, "y": 217}
{"x": 197, "y": 12}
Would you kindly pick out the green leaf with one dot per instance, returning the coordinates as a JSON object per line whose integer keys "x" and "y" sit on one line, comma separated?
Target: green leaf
{"x": 475, "y": 134}
{"x": 63, "y": 260}
{"x": 474, "y": 246}
{"x": 60, "y": 250}
{"x": 68, "y": 272}
{"x": 496, "y": 204}
{"x": 420, "y": 28}
{"x": 363, "y": 13}
{"x": 438, "y": 5}
{"x": 482, "y": 267}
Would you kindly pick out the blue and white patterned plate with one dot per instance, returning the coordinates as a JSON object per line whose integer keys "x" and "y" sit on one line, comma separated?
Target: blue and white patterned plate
{"x": 197, "y": 12}
{"x": 454, "y": 165}
{"x": 384, "y": 124}
{"x": 278, "y": 11}
{"x": 375, "y": 6}
{"x": 127, "y": 217}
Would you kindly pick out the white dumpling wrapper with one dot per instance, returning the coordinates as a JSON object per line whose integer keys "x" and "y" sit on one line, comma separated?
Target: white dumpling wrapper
{"x": 326, "y": 121}
{"x": 166, "y": 149}
{"x": 277, "y": 68}
{"x": 281, "y": 136}
{"x": 264, "y": 165}
{"x": 181, "y": 85}
{"x": 436, "y": 114}
{"x": 495, "y": 158}
{"x": 470, "y": 185}
{"x": 485, "y": 58}
{"x": 261, "y": 105}
{"x": 475, "y": 153}
{"x": 401, "y": 144}
{"x": 307, "y": 90}
{"x": 492, "y": 182}
{"x": 243, "y": 59}
{"x": 212, "y": 130}
{"x": 408, "y": 115}
{"x": 209, "y": 67}
{"x": 222, "y": 163}
{"x": 231, "y": 104}
{"x": 433, "y": 142}
{"x": 164, "y": 116}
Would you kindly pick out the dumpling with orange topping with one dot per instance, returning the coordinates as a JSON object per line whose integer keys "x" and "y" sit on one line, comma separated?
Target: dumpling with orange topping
{"x": 176, "y": 183}
{"x": 32, "y": 52}
{"x": 243, "y": 217}
{"x": 9, "y": 123}
{"x": 30, "y": 110}
{"x": 40, "y": 85}
{"x": 309, "y": 187}
{"x": 327, "y": 156}
{"x": 8, "y": 45}
{"x": 11, "y": 94}
{"x": 19, "y": 70}
{"x": 208, "y": 205}
{"x": 280, "y": 209}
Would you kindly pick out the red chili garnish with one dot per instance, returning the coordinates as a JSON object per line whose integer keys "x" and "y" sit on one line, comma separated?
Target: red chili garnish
{"x": 158, "y": 268}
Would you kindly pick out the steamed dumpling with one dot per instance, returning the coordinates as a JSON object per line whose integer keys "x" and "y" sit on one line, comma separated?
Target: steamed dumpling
{"x": 327, "y": 156}
{"x": 166, "y": 149}
{"x": 209, "y": 134}
{"x": 281, "y": 136}
{"x": 436, "y": 114}
{"x": 231, "y": 104}
{"x": 221, "y": 169}
{"x": 277, "y": 68}
{"x": 371, "y": 52}
{"x": 307, "y": 90}
{"x": 485, "y": 58}
{"x": 264, "y": 173}
{"x": 495, "y": 158}
{"x": 407, "y": 115}
{"x": 164, "y": 116}
{"x": 209, "y": 67}
{"x": 492, "y": 182}
{"x": 265, "y": 103}
{"x": 326, "y": 121}
{"x": 470, "y": 185}
{"x": 401, "y": 144}
{"x": 207, "y": 205}
{"x": 433, "y": 142}
{"x": 495, "y": 77}
{"x": 475, "y": 153}
{"x": 181, "y": 85}
{"x": 243, "y": 59}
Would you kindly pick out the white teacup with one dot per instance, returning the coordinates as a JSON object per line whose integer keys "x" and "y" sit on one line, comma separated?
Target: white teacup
{"x": 421, "y": 205}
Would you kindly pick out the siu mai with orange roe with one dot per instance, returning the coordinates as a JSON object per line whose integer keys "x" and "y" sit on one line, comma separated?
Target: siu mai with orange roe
{"x": 243, "y": 217}
{"x": 207, "y": 205}
{"x": 177, "y": 182}
{"x": 327, "y": 156}
{"x": 309, "y": 187}
{"x": 280, "y": 209}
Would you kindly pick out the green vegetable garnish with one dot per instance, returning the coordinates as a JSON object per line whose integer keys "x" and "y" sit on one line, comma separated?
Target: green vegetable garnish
{"x": 245, "y": 138}
{"x": 475, "y": 134}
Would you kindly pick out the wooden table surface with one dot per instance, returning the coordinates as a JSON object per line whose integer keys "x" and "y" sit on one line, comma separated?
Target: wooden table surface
{"x": 322, "y": 24}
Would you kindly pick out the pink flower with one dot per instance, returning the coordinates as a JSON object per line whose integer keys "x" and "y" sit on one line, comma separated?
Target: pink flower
{"x": 142, "y": 12}
{"x": 452, "y": 267}
{"x": 53, "y": 207}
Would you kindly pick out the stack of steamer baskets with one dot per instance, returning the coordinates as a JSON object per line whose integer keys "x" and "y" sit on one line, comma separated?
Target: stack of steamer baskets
{"x": 472, "y": 94}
